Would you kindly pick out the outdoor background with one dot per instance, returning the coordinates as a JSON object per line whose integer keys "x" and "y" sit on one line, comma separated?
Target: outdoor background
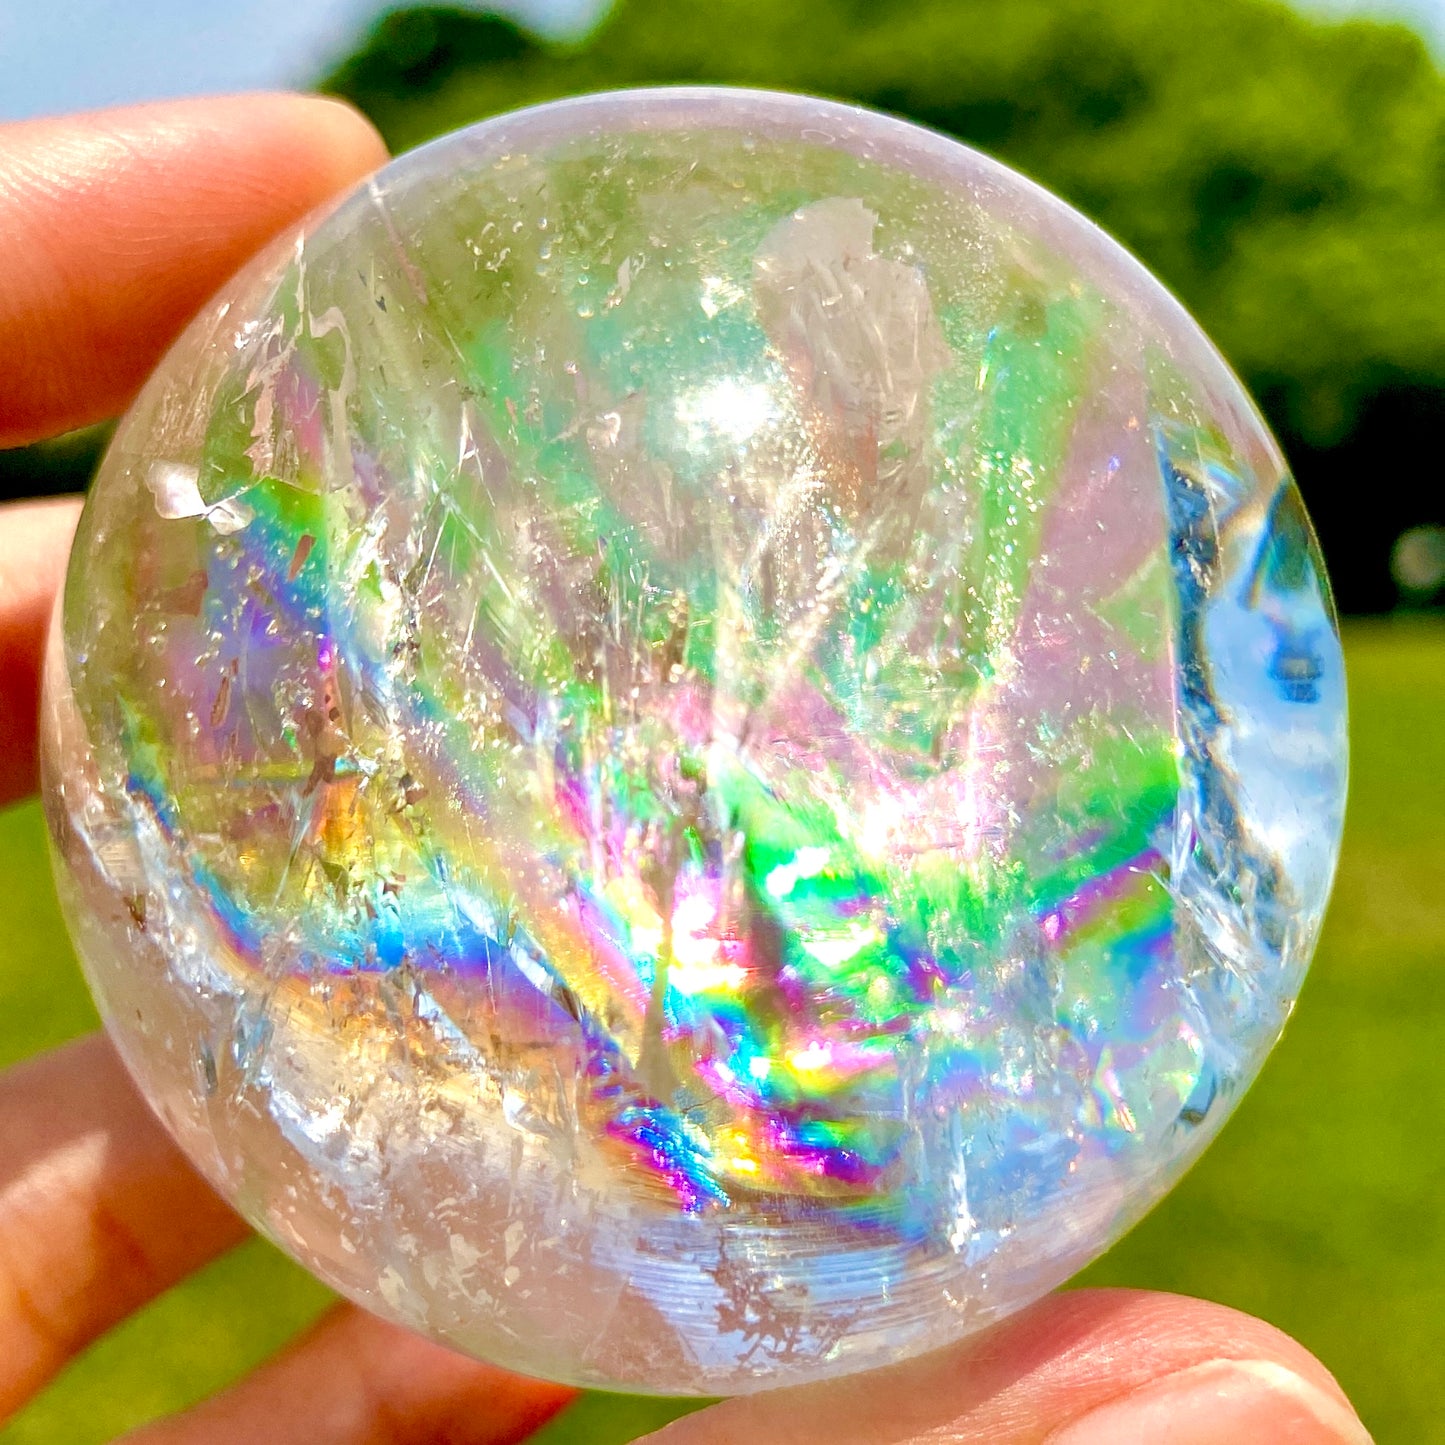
{"x": 1283, "y": 170}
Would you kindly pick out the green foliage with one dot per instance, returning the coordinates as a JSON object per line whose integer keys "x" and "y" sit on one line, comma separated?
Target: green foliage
{"x": 414, "y": 51}
{"x": 1318, "y": 1208}
{"x": 63, "y": 464}
{"x": 1285, "y": 176}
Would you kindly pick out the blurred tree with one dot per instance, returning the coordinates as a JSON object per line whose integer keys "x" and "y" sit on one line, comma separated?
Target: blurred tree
{"x": 412, "y": 52}
{"x": 1285, "y": 176}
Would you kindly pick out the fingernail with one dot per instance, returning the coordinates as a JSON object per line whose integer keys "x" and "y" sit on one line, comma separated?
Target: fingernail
{"x": 1221, "y": 1402}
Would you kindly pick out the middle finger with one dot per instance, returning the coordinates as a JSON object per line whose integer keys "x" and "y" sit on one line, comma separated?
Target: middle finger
{"x": 99, "y": 1211}
{"x": 354, "y": 1380}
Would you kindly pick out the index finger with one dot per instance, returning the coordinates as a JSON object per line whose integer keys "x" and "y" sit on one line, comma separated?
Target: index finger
{"x": 116, "y": 227}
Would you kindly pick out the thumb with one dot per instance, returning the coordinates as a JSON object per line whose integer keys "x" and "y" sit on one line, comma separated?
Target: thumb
{"x": 1092, "y": 1367}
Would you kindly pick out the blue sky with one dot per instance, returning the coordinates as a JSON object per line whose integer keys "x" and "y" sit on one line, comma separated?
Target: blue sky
{"x": 60, "y": 55}
{"x": 1427, "y": 15}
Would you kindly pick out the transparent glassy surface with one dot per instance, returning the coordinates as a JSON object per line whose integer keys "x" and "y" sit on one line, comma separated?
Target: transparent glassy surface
{"x": 697, "y": 742}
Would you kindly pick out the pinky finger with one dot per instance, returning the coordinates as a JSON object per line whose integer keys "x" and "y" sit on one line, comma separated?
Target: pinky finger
{"x": 354, "y": 1380}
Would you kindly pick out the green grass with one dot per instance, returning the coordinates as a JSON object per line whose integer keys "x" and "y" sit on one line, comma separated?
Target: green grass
{"x": 1321, "y": 1208}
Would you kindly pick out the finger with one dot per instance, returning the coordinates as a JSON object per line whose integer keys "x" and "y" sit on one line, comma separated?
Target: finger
{"x": 1091, "y": 1367}
{"x": 34, "y": 543}
{"x": 99, "y": 1211}
{"x": 356, "y": 1381}
{"x": 115, "y": 228}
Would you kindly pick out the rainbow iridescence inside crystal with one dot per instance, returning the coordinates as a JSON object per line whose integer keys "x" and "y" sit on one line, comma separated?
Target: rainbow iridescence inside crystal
{"x": 751, "y": 657}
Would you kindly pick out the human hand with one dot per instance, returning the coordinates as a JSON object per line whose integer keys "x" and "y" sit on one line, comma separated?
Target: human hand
{"x": 114, "y": 228}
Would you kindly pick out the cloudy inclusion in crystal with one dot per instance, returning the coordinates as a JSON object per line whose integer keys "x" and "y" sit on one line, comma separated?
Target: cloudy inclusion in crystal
{"x": 697, "y": 743}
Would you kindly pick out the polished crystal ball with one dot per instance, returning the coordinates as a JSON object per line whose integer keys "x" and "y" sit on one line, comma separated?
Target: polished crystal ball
{"x": 696, "y": 743}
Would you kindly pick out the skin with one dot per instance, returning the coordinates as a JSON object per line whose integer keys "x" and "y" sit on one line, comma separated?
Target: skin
{"x": 114, "y": 228}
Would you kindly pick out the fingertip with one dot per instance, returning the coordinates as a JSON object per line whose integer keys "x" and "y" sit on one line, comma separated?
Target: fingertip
{"x": 1219, "y": 1402}
{"x": 1076, "y": 1356}
{"x": 1161, "y": 1332}
{"x": 327, "y": 134}
{"x": 116, "y": 226}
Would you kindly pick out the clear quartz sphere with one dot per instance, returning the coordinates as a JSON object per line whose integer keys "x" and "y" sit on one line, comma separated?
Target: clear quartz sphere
{"x": 696, "y": 743}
